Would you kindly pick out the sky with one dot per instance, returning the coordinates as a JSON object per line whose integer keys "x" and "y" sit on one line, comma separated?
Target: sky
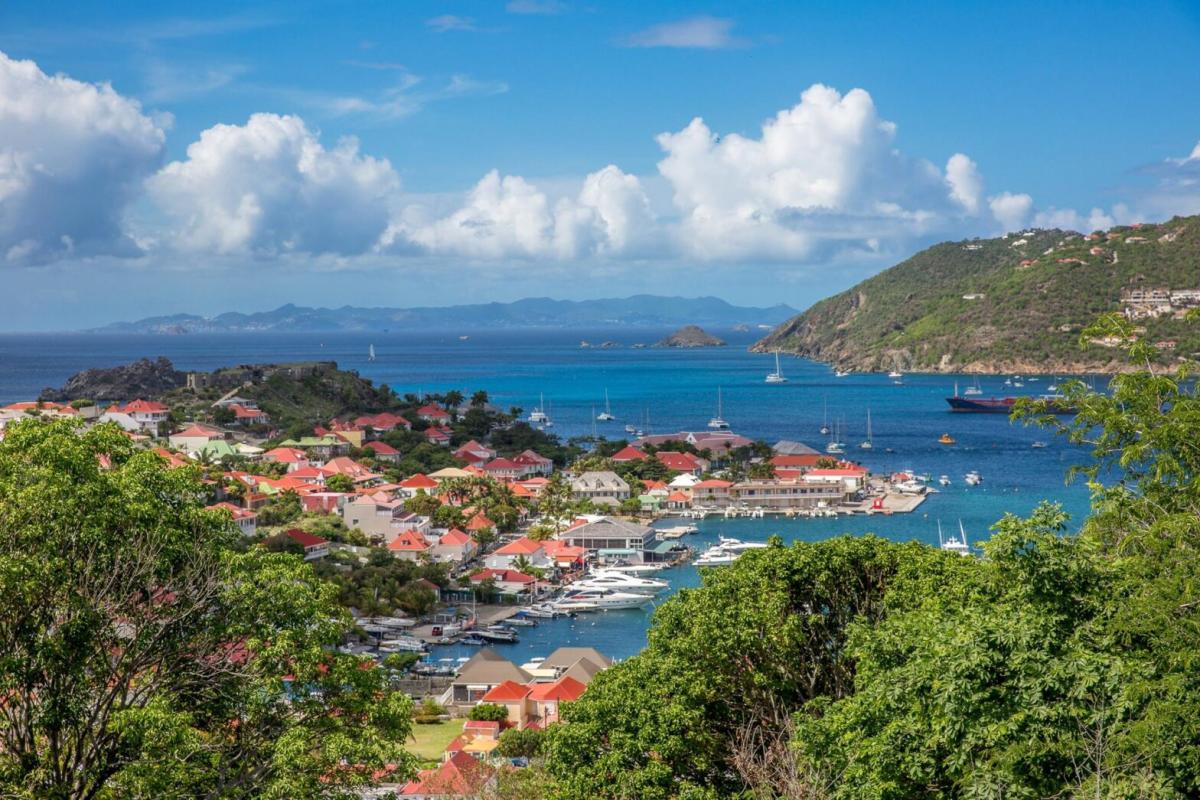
{"x": 181, "y": 157}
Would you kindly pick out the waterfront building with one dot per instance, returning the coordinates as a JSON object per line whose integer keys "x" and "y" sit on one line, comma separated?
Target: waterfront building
{"x": 788, "y": 493}
{"x": 712, "y": 492}
{"x": 601, "y": 534}
{"x": 507, "y": 581}
{"x": 603, "y": 487}
{"x": 534, "y": 552}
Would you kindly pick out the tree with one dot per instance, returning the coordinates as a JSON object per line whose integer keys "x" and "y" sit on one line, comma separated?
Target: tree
{"x": 134, "y": 633}
{"x": 479, "y": 399}
{"x": 521, "y": 743}
{"x": 422, "y": 503}
{"x": 488, "y": 712}
{"x": 525, "y": 567}
{"x": 339, "y": 483}
{"x": 556, "y": 502}
{"x": 283, "y": 509}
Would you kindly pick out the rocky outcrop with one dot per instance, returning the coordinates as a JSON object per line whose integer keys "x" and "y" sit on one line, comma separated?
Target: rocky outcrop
{"x": 691, "y": 336}
{"x": 141, "y": 379}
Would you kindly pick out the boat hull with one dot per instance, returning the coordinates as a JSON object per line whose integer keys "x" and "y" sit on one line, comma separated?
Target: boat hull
{"x": 996, "y": 405}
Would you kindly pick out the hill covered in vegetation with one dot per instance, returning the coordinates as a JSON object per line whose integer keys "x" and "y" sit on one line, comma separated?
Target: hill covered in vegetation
{"x": 1010, "y": 304}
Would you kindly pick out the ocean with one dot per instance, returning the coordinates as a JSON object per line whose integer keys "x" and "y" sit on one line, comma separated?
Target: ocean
{"x": 658, "y": 390}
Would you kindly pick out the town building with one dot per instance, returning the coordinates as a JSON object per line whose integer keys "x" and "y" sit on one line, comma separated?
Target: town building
{"x": 602, "y": 487}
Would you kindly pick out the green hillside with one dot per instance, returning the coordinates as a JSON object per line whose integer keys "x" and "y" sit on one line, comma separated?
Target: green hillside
{"x": 1031, "y": 295}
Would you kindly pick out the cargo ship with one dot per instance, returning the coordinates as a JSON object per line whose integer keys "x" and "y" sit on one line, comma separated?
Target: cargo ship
{"x": 1001, "y": 405}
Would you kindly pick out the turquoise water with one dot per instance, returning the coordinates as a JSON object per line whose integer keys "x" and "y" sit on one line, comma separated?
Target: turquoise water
{"x": 673, "y": 390}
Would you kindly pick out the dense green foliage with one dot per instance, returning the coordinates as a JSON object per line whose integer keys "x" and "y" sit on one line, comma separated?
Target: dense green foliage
{"x": 384, "y": 585}
{"x": 148, "y": 654}
{"x": 913, "y": 315}
{"x": 1056, "y": 665}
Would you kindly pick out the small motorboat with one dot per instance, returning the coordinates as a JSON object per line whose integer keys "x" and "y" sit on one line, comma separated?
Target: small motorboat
{"x": 973, "y": 478}
{"x": 946, "y": 438}
{"x": 944, "y": 480}
{"x": 1038, "y": 445}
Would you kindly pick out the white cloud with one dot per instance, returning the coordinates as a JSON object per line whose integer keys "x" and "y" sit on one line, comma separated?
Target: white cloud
{"x": 1011, "y": 210}
{"x": 966, "y": 184}
{"x": 450, "y": 22}
{"x": 509, "y": 217}
{"x": 702, "y": 32}
{"x": 1069, "y": 219}
{"x": 72, "y": 158}
{"x": 824, "y": 178}
{"x": 271, "y": 187}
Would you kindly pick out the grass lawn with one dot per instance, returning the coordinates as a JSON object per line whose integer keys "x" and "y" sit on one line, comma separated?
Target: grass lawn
{"x": 428, "y": 741}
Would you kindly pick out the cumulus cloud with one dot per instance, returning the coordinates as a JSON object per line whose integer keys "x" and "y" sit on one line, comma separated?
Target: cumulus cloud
{"x": 509, "y": 217}
{"x": 270, "y": 187}
{"x": 1011, "y": 210}
{"x": 72, "y": 158}
{"x": 823, "y": 177}
{"x": 702, "y": 32}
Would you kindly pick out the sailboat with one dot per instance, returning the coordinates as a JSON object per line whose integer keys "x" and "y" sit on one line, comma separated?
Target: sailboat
{"x": 777, "y": 375}
{"x": 868, "y": 444}
{"x": 718, "y": 423}
{"x": 954, "y": 544}
{"x": 974, "y": 389}
{"x": 606, "y": 415}
{"x": 371, "y": 353}
{"x": 835, "y": 445}
{"x": 825, "y": 416}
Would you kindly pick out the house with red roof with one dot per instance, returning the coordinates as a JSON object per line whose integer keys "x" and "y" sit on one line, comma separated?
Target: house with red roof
{"x": 382, "y": 451}
{"x": 454, "y": 547}
{"x": 382, "y": 520}
{"x": 314, "y": 546}
{"x": 533, "y": 464}
{"x": 248, "y": 415}
{"x": 434, "y": 415}
{"x": 480, "y": 522}
{"x": 535, "y": 705}
{"x": 294, "y": 457}
{"x": 314, "y": 476}
{"x": 459, "y": 776}
{"x": 531, "y": 550}
{"x": 503, "y": 469}
{"x": 382, "y": 423}
{"x": 244, "y": 518}
{"x": 475, "y": 453}
{"x": 344, "y": 465}
{"x": 193, "y": 438}
{"x": 438, "y": 436}
{"x": 798, "y": 461}
{"x": 689, "y": 463}
{"x": 508, "y": 581}
{"x": 320, "y": 502}
{"x": 409, "y": 546}
{"x": 533, "y": 486}
{"x": 628, "y": 453}
{"x": 853, "y": 477}
{"x": 146, "y": 413}
{"x": 565, "y": 556}
{"x": 418, "y": 483}
{"x": 678, "y": 501}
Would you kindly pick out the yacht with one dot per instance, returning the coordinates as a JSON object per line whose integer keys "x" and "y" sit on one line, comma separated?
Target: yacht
{"x": 621, "y": 583}
{"x": 1038, "y": 445}
{"x": 974, "y": 390}
{"x": 631, "y": 429}
{"x": 973, "y": 478}
{"x": 777, "y": 375}
{"x": 718, "y": 423}
{"x": 636, "y": 569}
{"x": 868, "y": 444}
{"x": 538, "y": 416}
{"x": 405, "y": 645}
{"x": 841, "y": 373}
{"x": 726, "y": 551}
{"x": 497, "y": 634}
{"x": 606, "y": 415}
{"x": 954, "y": 544}
{"x": 911, "y": 486}
{"x": 737, "y": 545}
{"x": 895, "y": 374}
{"x": 835, "y": 445}
{"x": 600, "y": 599}
{"x": 944, "y": 480}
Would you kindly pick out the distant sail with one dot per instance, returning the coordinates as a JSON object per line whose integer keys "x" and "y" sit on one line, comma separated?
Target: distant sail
{"x": 371, "y": 353}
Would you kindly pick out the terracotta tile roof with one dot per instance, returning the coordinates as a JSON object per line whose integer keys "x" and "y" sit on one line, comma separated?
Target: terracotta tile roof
{"x": 520, "y": 547}
{"x": 304, "y": 538}
{"x": 419, "y": 481}
{"x": 565, "y": 688}
{"x": 629, "y": 453}
{"x": 507, "y": 691}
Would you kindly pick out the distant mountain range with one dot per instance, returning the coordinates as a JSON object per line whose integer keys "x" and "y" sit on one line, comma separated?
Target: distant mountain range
{"x": 1016, "y": 303}
{"x": 535, "y": 312}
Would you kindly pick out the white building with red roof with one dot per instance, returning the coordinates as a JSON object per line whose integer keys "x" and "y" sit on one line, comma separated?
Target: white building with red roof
{"x": 434, "y": 414}
{"x": 248, "y": 415}
{"x": 294, "y": 457}
{"x": 410, "y": 486}
{"x": 382, "y": 423}
{"x": 146, "y": 413}
{"x": 474, "y": 453}
{"x": 314, "y": 546}
{"x": 244, "y": 518}
{"x": 459, "y": 776}
{"x": 533, "y": 464}
{"x": 410, "y": 546}
{"x": 531, "y": 550}
{"x": 503, "y": 469}
{"x": 683, "y": 462}
{"x": 193, "y": 437}
{"x": 382, "y": 451}
{"x": 627, "y": 454}
{"x": 508, "y": 581}
{"x": 454, "y": 547}
{"x": 438, "y": 436}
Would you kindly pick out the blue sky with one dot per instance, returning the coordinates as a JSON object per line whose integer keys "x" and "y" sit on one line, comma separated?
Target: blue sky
{"x": 361, "y": 153}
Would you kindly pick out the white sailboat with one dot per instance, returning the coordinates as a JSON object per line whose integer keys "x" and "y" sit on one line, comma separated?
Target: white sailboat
{"x": 606, "y": 415}
{"x": 954, "y": 544}
{"x": 825, "y": 416}
{"x": 974, "y": 389}
{"x": 718, "y": 423}
{"x": 777, "y": 375}
{"x": 868, "y": 444}
{"x": 371, "y": 353}
{"x": 836, "y": 446}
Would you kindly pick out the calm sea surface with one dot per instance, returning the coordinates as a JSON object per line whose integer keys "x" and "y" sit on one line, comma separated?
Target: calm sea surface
{"x": 659, "y": 390}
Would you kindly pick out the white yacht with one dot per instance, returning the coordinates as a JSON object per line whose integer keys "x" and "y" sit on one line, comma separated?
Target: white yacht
{"x": 944, "y": 480}
{"x": 725, "y": 552}
{"x": 911, "y": 486}
{"x": 841, "y": 373}
{"x": 737, "y": 545}
{"x": 973, "y": 478}
{"x": 621, "y": 582}
{"x": 606, "y": 415}
{"x": 895, "y": 374}
{"x": 631, "y": 429}
{"x": 777, "y": 375}
{"x": 868, "y": 444}
{"x": 952, "y": 543}
{"x": 538, "y": 416}
{"x": 600, "y": 599}
{"x": 635, "y": 569}
{"x": 718, "y": 423}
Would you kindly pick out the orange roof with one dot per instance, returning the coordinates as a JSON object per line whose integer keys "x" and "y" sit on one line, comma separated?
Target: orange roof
{"x": 479, "y": 522}
{"x": 455, "y": 537}
{"x": 678, "y": 497}
{"x": 409, "y": 541}
{"x": 520, "y": 547}
{"x": 629, "y": 453}
{"x": 419, "y": 481}
{"x": 460, "y": 775}
{"x": 506, "y": 692}
{"x": 143, "y": 406}
{"x": 197, "y": 431}
{"x": 713, "y": 483}
{"x": 285, "y": 455}
{"x": 506, "y": 575}
{"x": 678, "y": 461}
{"x": 801, "y": 460}
{"x": 564, "y": 689}
{"x": 841, "y": 472}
